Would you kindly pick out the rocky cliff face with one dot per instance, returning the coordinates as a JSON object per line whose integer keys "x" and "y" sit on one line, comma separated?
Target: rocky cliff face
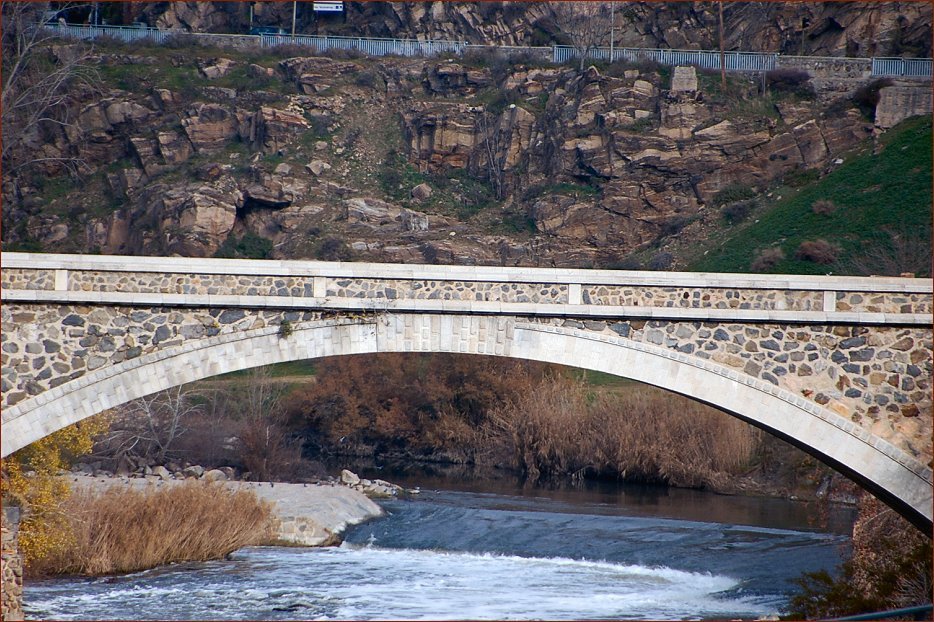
{"x": 819, "y": 29}
{"x": 476, "y": 161}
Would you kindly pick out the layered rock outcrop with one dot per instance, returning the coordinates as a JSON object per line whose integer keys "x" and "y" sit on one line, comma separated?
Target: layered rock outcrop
{"x": 817, "y": 29}
{"x": 421, "y": 159}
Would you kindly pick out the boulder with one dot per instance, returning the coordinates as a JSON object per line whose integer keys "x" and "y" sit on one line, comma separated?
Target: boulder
{"x": 414, "y": 221}
{"x": 317, "y": 167}
{"x": 215, "y": 475}
{"x": 270, "y": 193}
{"x": 371, "y": 211}
{"x": 349, "y": 478}
{"x": 126, "y": 112}
{"x": 193, "y": 471}
{"x": 196, "y": 218}
{"x": 174, "y": 147}
{"x": 421, "y": 192}
{"x": 210, "y": 126}
{"x": 273, "y": 128}
{"x": 216, "y": 68}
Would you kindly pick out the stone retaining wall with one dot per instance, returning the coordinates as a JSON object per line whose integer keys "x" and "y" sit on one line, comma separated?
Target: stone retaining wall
{"x": 11, "y": 561}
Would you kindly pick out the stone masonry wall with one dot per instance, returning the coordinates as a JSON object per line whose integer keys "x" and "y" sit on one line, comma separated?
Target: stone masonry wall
{"x": 447, "y": 290}
{"x": 44, "y": 346}
{"x": 428, "y": 289}
{"x": 11, "y": 561}
{"x": 878, "y": 377}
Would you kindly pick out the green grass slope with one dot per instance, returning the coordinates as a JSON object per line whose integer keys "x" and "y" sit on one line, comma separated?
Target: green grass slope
{"x": 880, "y": 221}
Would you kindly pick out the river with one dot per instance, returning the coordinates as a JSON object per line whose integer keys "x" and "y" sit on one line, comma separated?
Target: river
{"x": 495, "y": 551}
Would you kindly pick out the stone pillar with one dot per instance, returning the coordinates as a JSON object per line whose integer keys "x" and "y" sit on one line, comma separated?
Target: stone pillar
{"x": 11, "y": 567}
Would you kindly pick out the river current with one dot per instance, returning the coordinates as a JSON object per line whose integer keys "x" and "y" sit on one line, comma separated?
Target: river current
{"x": 625, "y": 553}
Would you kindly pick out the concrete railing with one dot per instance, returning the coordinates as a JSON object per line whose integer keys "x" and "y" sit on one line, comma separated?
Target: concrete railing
{"x": 915, "y": 68}
{"x": 465, "y": 289}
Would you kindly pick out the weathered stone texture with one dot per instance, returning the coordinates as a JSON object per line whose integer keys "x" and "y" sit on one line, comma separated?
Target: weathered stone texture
{"x": 22, "y": 278}
{"x": 12, "y": 567}
{"x": 709, "y": 298}
{"x": 897, "y": 103}
{"x": 447, "y": 290}
{"x": 878, "y": 377}
{"x": 45, "y": 346}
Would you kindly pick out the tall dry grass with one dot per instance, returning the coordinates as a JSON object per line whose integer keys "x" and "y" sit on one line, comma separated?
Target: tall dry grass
{"x": 642, "y": 434}
{"x": 125, "y": 530}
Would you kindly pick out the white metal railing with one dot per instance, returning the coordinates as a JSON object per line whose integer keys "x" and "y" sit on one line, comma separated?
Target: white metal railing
{"x": 705, "y": 59}
{"x": 919, "y": 68}
{"x": 120, "y": 33}
{"x": 902, "y": 67}
{"x": 368, "y": 46}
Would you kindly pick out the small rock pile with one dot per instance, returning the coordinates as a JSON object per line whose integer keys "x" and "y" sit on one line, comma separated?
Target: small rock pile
{"x": 170, "y": 470}
{"x": 371, "y": 488}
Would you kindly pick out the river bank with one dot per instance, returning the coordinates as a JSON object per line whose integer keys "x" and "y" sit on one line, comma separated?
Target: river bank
{"x": 493, "y": 554}
{"x": 306, "y": 514}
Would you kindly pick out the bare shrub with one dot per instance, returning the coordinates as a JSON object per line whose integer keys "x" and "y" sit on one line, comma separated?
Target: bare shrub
{"x": 661, "y": 261}
{"x": 332, "y": 248}
{"x": 767, "y": 259}
{"x": 890, "y": 568}
{"x": 415, "y": 403}
{"x": 641, "y": 434}
{"x": 903, "y": 252}
{"x": 675, "y": 224}
{"x": 586, "y": 24}
{"x": 739, "y": 211}
{"x": 42, "y": 83}
{"x": 819, "y": 251}
{"x": 266, "y": 449}
{"x": 149, "y": 428}
{"x": 343, "y": 53}
{"x": 824, "y": 207}
{"x": 793, "y": 81}
{"x": 732, "y": 194}
{"x": 181, "y": 41}
{"x": 125, "y": 530}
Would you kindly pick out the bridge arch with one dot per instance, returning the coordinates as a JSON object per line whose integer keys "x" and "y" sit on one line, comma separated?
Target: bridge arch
{"x": 897, "y": 478}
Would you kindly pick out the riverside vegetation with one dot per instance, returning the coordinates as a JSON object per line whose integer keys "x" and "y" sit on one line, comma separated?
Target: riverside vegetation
{"x": 173, "y": 145}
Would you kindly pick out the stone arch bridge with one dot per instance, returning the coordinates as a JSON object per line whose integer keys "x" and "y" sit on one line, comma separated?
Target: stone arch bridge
{"x": 839, "y": 366}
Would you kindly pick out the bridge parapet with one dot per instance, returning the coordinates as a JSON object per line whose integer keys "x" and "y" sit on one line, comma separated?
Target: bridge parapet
{"x": 569, "y": 292}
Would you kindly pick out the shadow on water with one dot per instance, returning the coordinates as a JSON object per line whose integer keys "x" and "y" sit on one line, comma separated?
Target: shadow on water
{"x": 604, "y": 497}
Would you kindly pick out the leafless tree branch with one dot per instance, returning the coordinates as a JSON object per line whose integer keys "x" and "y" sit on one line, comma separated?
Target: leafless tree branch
{"x": 587, "y": 24}
{"x": 40, "y": 81}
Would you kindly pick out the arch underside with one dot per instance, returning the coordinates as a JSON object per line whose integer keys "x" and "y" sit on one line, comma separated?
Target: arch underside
{"x": 890, "y": 473}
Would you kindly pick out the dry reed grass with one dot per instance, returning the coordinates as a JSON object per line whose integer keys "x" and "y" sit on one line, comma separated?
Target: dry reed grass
{"x": 125, "y": 530}
{"x": 643, "y": 434}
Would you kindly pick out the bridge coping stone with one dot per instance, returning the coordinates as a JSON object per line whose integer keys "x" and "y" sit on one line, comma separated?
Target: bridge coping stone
{"x": 252, "y": 267}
